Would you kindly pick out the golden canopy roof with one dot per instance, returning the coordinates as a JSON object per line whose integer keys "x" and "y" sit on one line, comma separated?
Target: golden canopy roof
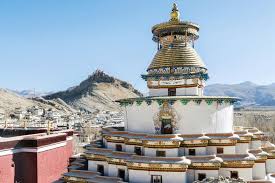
{"x": 177, "y": 55}
{"x": 175, "y": 39}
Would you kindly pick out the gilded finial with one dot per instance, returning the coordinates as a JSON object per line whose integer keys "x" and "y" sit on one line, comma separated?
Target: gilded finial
{"x": 175, "y": 14}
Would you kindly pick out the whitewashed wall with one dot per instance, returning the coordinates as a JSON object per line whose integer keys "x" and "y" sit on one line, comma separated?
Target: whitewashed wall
{"x": 190, "y": 175}
{"x": 259, "y": 171}
{"x": 211, "y": 150}
{"x": 242, "y": 148}
{"x": 192, "y": 91}
{"x": 244, "y": 173}
{"x": 199, "y": 151}
{"x": 193, "y": 118}
{"x": 131, "y": 148}
{"x": 173, "y": 152}
{"x": 181, "y": 151}
{"x": 138, "y": 176}
{"x": 111, "y": 145}
{"x": 113, "y": 170}
{"x": 92, "y": 166}
{"x": 255, "y": 144}
{"x": 158, "y": 92}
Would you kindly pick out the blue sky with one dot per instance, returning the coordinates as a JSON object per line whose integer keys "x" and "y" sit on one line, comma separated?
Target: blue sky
{"x": 51, "y": 45}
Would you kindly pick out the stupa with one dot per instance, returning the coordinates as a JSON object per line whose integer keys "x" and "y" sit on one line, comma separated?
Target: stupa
{"x": 176, "y": 134}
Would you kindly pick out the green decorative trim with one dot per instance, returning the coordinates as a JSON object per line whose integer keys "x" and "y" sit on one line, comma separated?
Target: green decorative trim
{"x": 160, "y": 102}
{"x": 220, "y": 101}
{"x": 171, "y": 102}
{"x": 209, "y": 101}
{"x": 227, "y": 101}
{"x": 155, "y": 77}
{"x": 125, "y": 103}
{"x": 185, "y": 101}
{"x": 232, "y": 102}
{"x": 139, "y": 102}
{"x": 197, "y": 101}
{"x": 149, "y": 102}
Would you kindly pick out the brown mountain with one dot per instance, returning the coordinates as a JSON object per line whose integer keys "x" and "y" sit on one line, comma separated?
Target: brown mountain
{"x": 97, "y": 92}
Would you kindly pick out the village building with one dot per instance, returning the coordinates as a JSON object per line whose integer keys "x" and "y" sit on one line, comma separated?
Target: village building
{"x": 34, "y": 155}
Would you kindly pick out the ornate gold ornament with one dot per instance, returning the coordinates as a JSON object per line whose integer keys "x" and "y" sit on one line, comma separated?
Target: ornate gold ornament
{"x": 166, "y": 111}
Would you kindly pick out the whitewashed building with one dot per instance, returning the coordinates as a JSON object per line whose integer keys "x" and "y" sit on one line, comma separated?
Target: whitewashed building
{"x": 176, "y": 134}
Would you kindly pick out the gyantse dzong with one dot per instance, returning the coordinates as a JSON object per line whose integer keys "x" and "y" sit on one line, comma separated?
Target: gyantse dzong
{"x": 176, "y": 134}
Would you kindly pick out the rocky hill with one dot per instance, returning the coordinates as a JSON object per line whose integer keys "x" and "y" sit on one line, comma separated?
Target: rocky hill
{"x": 97, "y": 92}
{"x": 250, "y": 93}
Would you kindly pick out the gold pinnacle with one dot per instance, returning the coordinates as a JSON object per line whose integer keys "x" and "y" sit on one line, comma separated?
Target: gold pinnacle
{"x": 175, "y": 14}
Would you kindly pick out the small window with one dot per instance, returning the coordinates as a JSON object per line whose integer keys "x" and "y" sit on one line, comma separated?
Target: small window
{"x": 192, "y": 152}
{"x": 121, "y": 174}
{"x": 156, "y": 179}
{"x": 118, "y": 147}
{"x": 100, "y": 169}
{"x": 201, "y": 176}
{"x": 138, "y": 150}
{"x": 172, "y": 92}
{"x": 160, "y": 153}
{"x": 234, "y": 175}
{"x": 219, "y": 150}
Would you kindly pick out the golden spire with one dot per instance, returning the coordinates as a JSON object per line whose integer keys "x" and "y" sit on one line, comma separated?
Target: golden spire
{"x": 175, "y": 14}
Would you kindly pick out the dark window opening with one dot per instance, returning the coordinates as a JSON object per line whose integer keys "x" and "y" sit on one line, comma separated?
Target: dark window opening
{"x": 121, "y": 174}
{"x": 118, "y": 147}
{"x": 192, "y": 152}
{"x": 138, "y": 151}
{"x": 172, "y": 92}
{"x": 219, "y": 150}
{"x": 156, "y": 179}
{"x": 100, "y": 169}
{"x": 166, "y": 126}
{"x": 234, "y": 175}
{"x": 201, "y": 176}
{"x": 160, "y": 153}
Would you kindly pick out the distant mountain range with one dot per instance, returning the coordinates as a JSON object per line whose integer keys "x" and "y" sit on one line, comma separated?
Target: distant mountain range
{"x": 9, "y": 100}
{"x": 31, "y": 93}
{"x": 250, "y": 93}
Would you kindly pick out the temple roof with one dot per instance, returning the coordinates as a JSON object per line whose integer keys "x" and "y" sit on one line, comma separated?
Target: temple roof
{"x": 175, "y": 51}
{"x": 176, "y": 55}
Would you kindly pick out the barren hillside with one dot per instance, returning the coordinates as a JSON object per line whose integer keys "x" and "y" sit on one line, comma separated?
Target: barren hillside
{"x": 97, "y": 92}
